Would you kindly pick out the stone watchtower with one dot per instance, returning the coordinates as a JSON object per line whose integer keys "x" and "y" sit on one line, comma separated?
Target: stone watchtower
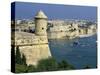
{"x": 34, "y": 46}
{"x": 41, "y": 24}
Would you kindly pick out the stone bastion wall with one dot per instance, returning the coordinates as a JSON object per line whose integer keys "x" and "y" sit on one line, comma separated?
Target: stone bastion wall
{"x": 33, "y": 47}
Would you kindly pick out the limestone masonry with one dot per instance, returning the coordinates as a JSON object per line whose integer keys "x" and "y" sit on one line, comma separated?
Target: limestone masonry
{"x": 33, "y": 45}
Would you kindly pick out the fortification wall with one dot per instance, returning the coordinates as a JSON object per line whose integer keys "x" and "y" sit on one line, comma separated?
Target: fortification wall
{"x": 32, "y": 46}
{"x": 34, "y": 53}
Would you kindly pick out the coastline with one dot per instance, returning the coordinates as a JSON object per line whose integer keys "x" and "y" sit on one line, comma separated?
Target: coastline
{"x": 86, "y": 35}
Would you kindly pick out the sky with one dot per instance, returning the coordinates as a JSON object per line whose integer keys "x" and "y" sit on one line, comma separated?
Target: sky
{"x": 25, "y": 10}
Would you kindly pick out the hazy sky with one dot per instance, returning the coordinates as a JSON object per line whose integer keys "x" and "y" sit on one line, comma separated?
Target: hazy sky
{"x": 26, "y": 10}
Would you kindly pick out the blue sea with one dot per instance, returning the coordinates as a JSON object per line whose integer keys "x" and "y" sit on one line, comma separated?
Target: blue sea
{"x": 79, "y": 55}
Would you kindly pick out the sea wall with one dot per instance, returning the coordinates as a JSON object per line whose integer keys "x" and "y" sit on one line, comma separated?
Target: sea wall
{"x": 32, "y": 46}
{"x": 34, "y": 53}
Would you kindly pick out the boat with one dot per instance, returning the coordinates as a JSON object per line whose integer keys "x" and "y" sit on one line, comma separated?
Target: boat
{"x": 75, "y": 43}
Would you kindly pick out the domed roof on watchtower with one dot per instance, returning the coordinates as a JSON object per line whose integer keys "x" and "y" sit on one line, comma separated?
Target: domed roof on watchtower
{"x": 41, "y": 14}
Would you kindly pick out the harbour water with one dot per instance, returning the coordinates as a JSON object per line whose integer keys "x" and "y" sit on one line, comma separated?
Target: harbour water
{"x": 79, "y": 55}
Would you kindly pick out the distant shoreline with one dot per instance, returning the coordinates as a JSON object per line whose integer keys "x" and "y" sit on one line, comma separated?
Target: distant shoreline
{"x": 86, "y": 35}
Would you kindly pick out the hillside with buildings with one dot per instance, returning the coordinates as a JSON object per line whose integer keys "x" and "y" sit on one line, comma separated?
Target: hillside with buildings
{"x": 60, "y": 29}
{"x": 70, "y": 29}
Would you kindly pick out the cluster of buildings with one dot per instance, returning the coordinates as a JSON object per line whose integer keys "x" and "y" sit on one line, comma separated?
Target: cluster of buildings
{"x": 70, "y": 29}
{"x": 58, "y": 29}
{"x": 23, "y": 25}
